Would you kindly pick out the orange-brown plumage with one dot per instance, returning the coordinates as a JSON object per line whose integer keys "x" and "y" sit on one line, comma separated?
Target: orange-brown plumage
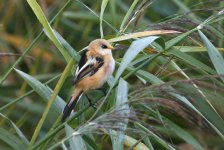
{"x": 94, "y": 68}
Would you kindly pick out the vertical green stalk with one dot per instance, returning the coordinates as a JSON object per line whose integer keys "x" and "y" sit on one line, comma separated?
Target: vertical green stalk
{"x": 124, "y": 22}
{"x": 21, "y": 57}
{"x": 103, "y": 6}
{"x": 64, "y": 75}
{"x": 47, "y": 27}
{"x": 57, "y": 128}
{"x": 31, "y": 45}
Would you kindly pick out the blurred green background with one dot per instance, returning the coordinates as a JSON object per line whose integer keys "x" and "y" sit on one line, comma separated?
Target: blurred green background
{"x": 150, "y": 101}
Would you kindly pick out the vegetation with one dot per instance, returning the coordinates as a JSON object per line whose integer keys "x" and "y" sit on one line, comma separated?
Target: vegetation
{"x": 166, "y": 92}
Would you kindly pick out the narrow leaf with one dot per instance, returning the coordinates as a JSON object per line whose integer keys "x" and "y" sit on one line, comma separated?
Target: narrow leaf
{"x": 75, "y": 140}
{"x": 47, "y": 28}
{"x": 201, "y": 106}
{"x": 156, "y": 137}
{"x": 103, "y": 6}
{"x": 130, "y": 141}
{"x": 20, "y": 134}
{"x": 194, "y": 49}
{"x": 214, "y": 55}
{"x": 184, "y": 135}
{"x": 191, "y": 60}
{"x": 179, "y": 38}
{"x": 73, "y": 53}
{"x": 91, "y": 142}
{"x": 123, "y": 109}
{"x": 128, "y": 15}
{"x": 135, "y": 48}
{"x": 176, "y": 129}
{"x": 43, "y": 90}
{"x": 141, "y": 34}
{"x": 11, "y": 140}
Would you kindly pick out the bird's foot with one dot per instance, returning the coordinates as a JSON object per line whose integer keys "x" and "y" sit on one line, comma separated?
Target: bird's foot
{"x": 90, "y": 102}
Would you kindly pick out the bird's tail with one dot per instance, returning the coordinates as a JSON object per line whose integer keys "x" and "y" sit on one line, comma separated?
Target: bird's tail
{"x": 71, "y": 104}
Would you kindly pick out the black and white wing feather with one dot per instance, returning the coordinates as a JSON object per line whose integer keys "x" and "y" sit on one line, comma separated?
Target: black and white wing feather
{"x": 87, "y": 67}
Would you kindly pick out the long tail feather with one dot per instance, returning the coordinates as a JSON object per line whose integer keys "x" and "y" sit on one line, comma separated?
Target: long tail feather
{"x": 70, "y": 105}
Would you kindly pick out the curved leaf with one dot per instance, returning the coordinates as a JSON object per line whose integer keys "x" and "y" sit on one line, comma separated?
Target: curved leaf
{"x": 136, "y": 47}
{"x": 117, "y": 137}
{"x": 11, "y": 140}
{"x": 76, "y": 142}
{"x": 20, "y": 134}
{"x": 43, "y": 90}
{"x": 214, "y": 55}
{"x": 103, "y": 6}
{"x": 141, "y": 34}
{"x": 47, "y": 28}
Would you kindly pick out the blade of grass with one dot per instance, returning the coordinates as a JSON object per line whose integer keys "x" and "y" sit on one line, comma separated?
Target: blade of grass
{"x": 212, "y": 19}
{"x": 135, "y": 48}
{"x": 42, "y": 90}
{"x": 21, "y": 97}
{"x": 157, "y": 138}
{"x": 73, "y": 53}
{"x": 11, "y": 140}
{"x": 114, "y": 13}
{"x": 185, "y": 9}
{"x": 201, "y": 106}
{"x": 61, "y": 126}
{"x": 75, "y": 140}
{"x": 98, "y": 16}
{"x": 122, "y": 106}
{"x": 18, "y": 131}
{"x": 103, "y": 7}
{"x": 127, "y": 15}
{"x": 21, "y": 57}
{"x": 179, "y": 38}
{"x": 141, "y": 34}
{"x": 184, "y": 135}
{"x": 91, "y": 142}
{"x": 64, "y": 75}
{"x": 47, "y": 28}
{"x": 131, "y": 143}
{"x": 191, "y": 61}
{"x": 33, "y": 107}
{"x": 168, "y": 45}
{"x": 193, "y": 49}
{"x": 31, "y": 45}
{"x": 87, "y": 16}
{"x": 175, "y": 128}
{"x": 214, "y": 55}
{"x": 194, "y": 85}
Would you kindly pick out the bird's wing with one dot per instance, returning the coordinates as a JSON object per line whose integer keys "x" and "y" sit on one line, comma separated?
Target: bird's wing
{"x": 82, "y": 61}
{"x": 87, "y": 67}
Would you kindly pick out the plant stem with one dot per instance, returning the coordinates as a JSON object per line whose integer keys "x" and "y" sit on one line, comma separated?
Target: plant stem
{"x": 32, "y": 44}
{"x": 61, "y": 126}
{"x": 21, "y": 57}
{"x": 51, "y": 100}
{"x": 26, "y": 94}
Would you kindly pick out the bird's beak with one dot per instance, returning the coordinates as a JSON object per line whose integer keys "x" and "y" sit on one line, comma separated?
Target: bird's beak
{"x": 110, "y": 47}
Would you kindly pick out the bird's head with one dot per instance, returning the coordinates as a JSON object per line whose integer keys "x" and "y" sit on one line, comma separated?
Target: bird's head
{"x": 101, "y": 46}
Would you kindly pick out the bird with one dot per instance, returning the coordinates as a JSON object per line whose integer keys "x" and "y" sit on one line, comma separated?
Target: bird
{"x": 95, "y": 66}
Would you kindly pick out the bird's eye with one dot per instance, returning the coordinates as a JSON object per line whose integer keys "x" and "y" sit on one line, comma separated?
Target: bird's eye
{"x": 104, "y": 46}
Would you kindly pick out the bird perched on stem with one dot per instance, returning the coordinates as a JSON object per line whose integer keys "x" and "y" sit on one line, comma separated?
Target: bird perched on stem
{"x": 95, "y": 66}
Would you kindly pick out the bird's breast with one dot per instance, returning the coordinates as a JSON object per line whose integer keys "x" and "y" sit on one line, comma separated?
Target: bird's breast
{"x": 109, "y": 69}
